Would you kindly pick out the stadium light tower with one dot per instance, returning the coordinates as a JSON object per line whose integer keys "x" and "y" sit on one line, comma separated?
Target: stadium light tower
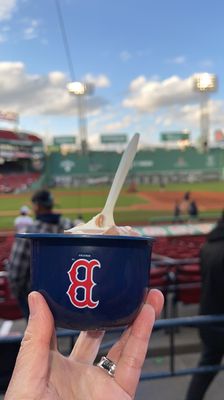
{"x": 204, "y": 83}
{"x": 80, "y": 90}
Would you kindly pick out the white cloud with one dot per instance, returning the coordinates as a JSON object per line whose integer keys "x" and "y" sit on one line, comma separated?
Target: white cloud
{"x": 179, "y": 117}
{"x": 31, "y": 32}
{"x": 170, "y": 104}
{"x": 216, "y": 110}
{"x": 57, "y": 77}
{"x": 4, "y": 33}
{"x": 2, "y": 37}
{"x": 137, "y": 83}
{"x": 177, "y": 60}
{"x": 100, "y": 81}
{"x": 102, "y": 118}
{"x": 150, "y": 95}
{"x": 124, "y": 123}
{"x": 125, "y": 55}
{"x": 38, "y": 94}
{"x": 7, "y": 7}
{"x": 206, "y": 63}
{"x": 188, "y": 117}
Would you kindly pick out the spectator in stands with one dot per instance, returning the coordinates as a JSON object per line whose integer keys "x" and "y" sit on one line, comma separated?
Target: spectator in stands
{"x": 23, "y": 221}
{"x": 41, "y": 372}
{"x": 19, "y": 261}
{"x": 193, "y": 210}
{"x": 212, "y": 302}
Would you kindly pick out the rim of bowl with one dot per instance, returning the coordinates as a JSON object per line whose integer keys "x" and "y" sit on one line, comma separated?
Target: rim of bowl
{"x": 83, "y": 236}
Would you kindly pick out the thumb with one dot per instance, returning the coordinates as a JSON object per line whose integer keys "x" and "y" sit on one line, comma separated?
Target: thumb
{"x": 31, "y": 367}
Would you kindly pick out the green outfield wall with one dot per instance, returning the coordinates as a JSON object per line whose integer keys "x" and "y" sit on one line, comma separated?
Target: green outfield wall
{"x": 148, "y": 164}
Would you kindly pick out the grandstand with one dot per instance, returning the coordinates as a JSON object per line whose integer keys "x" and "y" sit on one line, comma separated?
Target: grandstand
{"x": 175, "y": 262}
{"x": 158, "y": 166}
{"x": 21, "y": 160}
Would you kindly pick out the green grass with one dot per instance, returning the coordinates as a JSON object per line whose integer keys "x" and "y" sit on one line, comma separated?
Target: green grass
{"x": 125, "y": 217}
{"x": 6, "y": 223}
{"x": 13, "y": 203}
{"x": 77, "y": 198}
{"x": 82, "y": 200}
{"x": 121, "y": 218}
{"x": 73, "y": 199}
{"x": 184, "y": 187}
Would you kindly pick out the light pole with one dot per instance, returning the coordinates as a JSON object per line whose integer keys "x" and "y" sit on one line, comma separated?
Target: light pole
{"x": 204, "y": 83}
{"x": 80, "y": 90}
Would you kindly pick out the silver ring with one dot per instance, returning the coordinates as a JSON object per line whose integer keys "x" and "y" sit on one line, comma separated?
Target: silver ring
{"x": 108, "y": 365}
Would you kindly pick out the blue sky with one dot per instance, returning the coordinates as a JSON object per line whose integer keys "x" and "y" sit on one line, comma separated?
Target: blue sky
{"x": 141, "y": 56}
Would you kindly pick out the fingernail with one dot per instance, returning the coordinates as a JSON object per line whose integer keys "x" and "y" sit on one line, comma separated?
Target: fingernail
{"x": 32, "y": 304}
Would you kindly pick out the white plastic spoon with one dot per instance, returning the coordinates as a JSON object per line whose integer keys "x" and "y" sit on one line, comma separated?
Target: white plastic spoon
{"x": 105, "y": 219}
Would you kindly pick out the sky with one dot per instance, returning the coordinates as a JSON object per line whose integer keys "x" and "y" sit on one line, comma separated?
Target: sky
{"x": 141, "y": 56}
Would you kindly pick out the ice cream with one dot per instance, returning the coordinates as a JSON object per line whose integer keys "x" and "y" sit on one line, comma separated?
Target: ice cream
{"x": 103, "y": 223}
{"x": 96, "y": 227}
{"x": 112, "y": 230}
{"x": 121, "y": 231}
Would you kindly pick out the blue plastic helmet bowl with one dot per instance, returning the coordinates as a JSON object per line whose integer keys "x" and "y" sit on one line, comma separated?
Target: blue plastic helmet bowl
{"x": 91, "y": 282}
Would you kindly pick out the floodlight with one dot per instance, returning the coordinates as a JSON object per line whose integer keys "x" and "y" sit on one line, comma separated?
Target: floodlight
{"x": 205, "y": 82}
{"x": 80, "y": 90}
{"x": 77, "y": 88}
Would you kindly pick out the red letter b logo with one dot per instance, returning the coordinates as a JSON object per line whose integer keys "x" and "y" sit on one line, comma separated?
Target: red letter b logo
{"x": 87, "y": 284}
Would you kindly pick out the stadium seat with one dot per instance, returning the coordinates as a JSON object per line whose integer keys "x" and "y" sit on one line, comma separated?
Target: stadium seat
{"x": 9, "y": 182}
{"x": 158, "y": 277}
{"x": 187, "y": 286}
{"x": 9, "y": 308}
{"x": 5, "y": 246}
{"x": 179, "y": 247}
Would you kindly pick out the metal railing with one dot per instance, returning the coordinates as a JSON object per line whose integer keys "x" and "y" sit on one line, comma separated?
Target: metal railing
{"x": 168, "y": 325}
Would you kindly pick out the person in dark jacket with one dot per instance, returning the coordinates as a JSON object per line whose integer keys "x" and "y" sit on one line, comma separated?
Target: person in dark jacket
{"x": 177, "y": 213}
{"x": 193, "y": 210}
{"x": 212, "y": 302}
{"x": 18, "y": 265}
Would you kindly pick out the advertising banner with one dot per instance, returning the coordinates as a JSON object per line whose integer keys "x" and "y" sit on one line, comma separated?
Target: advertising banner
{"x": 174, "y": 136}
{"x": 116, "y": 139}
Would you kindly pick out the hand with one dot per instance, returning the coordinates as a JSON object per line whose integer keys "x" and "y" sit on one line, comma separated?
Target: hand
{"x": 42, "y": 373}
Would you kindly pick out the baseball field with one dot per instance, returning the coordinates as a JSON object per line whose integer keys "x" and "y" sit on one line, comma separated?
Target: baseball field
{"x": 150, "y": 203}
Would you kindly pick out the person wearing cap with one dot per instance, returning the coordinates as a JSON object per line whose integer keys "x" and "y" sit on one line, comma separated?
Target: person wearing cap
{"x": 23, "y": 220}
{"x": 18, "y": 265}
